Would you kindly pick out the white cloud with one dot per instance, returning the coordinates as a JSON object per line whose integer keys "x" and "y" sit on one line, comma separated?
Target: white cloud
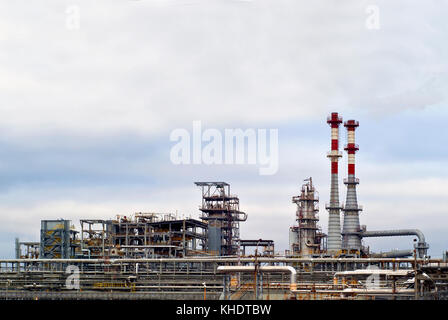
{"x": 148, "y": 66}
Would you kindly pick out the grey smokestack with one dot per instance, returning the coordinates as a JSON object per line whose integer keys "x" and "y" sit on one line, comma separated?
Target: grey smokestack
{"x": 351, "y": 240}
{"x": 334, "y": 208}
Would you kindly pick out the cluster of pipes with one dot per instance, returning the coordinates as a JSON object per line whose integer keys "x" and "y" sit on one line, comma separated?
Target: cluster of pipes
{"x": 349, "y": 240}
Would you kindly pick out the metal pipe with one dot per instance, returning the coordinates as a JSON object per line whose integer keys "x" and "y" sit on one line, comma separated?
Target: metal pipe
{"x": 422, "y": 246}
{"x": 393, "y": 254}
{"x": 291, "y": 270}
{"x": 223, "y": 260}
{"x": 394, "y": 233}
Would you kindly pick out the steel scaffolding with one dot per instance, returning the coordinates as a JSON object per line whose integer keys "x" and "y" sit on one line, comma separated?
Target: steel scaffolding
{"x": 221, "y": 210}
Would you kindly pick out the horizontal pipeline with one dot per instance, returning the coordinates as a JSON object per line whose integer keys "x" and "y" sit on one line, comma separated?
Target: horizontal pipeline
{"x": 222, "y": 260}
{"x": 267, "y": 269}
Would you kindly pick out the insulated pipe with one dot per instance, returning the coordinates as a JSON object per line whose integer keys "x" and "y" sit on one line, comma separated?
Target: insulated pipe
{"x": 291, "y": 270}
{"x": 393, "y": 254}
{"x": 395, "y": 233}
{"x": 422, "y": 246}
{"x": 217, "y": 260}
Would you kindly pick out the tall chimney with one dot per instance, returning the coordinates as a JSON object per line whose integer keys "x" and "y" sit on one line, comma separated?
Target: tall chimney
{"x": 334, "y": 208}
{"x": 351, "y": 240}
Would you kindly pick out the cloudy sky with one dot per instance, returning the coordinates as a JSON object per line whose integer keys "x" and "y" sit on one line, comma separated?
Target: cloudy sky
{"x": 91, "y": 90}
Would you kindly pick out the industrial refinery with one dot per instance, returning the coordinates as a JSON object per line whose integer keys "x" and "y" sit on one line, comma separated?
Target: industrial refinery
{"x": 153, "y": 255}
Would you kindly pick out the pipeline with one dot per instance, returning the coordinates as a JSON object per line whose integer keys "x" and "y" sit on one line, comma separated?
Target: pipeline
{"x": 394, "y": 233}
{"x": 422, "y": 246}
{"x": 291, "y": 270}
{"x": 212, "y": 260}
{"x": 392, "y": 254}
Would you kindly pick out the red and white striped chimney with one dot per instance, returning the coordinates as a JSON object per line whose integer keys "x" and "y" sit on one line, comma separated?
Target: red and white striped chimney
{"x": 351, "y": 147}
{"x": 351, "y": 240}
{"x": 334, "y": 208}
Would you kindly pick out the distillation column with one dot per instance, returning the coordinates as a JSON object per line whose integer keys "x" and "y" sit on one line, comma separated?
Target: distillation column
{"x": 351, "y": 240}
{"x": 309, "y": 235}
{"x": 334, "y": 208}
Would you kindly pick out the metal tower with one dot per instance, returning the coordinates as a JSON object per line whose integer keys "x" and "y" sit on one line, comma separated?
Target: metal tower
{"x": 351, "y": 240}
{"x": 57, "y": 239}
{"x": 309, "y": 235}
{"x": 334, "y": 208}
{"x": 222, "y": 212}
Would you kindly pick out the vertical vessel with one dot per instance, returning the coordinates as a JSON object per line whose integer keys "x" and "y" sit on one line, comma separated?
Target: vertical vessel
{"x": 308, "y": 235}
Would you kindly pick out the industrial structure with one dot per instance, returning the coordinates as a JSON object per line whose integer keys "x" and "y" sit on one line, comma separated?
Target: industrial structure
{"x": 151, "y": 235}
{"x": 162, "y": 256}
{"x": 27, "y": 250}
{"x": 306, "y": 238}
{"x": 141, "y": 236}
{"x": 221, "y": 210}
{"x": 334, "y": 208}
{"x": 57, "y": 239}
{"x": 351, "y": 240}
